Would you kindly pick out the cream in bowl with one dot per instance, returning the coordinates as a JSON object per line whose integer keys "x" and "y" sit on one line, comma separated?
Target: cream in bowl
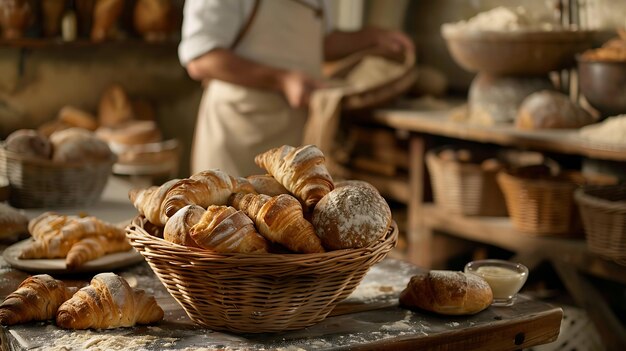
{"x": 505, "y": 278}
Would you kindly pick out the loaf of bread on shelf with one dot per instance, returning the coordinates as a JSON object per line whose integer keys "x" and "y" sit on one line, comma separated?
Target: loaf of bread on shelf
{"x": 447, "y": 292}
{"x": 108, "y": 302}
{"x": 12, "y": 221}
{"x": 29, "y": 143}
{"x": 226, "y": 230}
{"x": 300, "y": 170}
{"x": 79, "y": 145}
{"x": 279, "y": 219}
{"x": 266, "y": 184}
{"x": 153, "y": 19}
{"x": 177, "y": 228}
{"x": 115, "y": 107}
{"x": 548, "y": 109}
{"x": 37, "y": 298}
{"x": 131, "y": 133}
{"x": 105, "y": 15}
{"x": 76, "y": 117}
{"x": 351, "y": 216}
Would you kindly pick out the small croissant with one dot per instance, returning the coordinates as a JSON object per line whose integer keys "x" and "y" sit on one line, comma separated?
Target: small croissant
{"x": 179, "y": 225}
{"x": 224, "y": 229}
{"x": 108, "y": 302}
{"x": 280, "y": 219}
{"x": 92, "y": 247}
{"x": 301, "y": 170}
{"x": 149, "y": 201}
{"x": 36, "y": 299}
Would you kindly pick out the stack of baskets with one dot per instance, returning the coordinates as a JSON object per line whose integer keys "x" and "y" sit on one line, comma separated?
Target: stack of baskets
{"x": 465, "y": 187}
{"x": 40, "y": 183}
{"x": 255, "y": 293}
{"x": 603, "y": 211}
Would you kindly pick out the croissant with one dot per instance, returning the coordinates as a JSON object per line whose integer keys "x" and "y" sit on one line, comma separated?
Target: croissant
{"x": 149, "y": 201}
{"x": 178, "y": 226}
{"x": 266, "y": 184}
{"x": 206, "y": 188}
{"x": 90, "y": 248}
{"x": 54, "y": 237}
{"x": 224, "y": 229}
{"x": 108, "y": 302}
{"x": 280, "y": 219}
{"x": 37, "y": 298}
{"x": 301, "y": 170}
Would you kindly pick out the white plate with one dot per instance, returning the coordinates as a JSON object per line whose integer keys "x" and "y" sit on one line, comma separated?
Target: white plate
{"x": 57, "y": 265}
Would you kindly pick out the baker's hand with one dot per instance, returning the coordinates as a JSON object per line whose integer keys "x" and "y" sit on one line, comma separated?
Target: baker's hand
{"x": 298, "y": 87}
{"x": 391, "y": 44}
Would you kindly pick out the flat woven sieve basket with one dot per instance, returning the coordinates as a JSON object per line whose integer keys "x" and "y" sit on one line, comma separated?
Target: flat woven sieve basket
{"x": 603, "y": 210}
{"x": 256, "y": 293}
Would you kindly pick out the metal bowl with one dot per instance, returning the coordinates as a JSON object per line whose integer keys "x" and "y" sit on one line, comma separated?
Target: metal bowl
{"x": 603, "y": 83}
{"x": 521, "y": 52}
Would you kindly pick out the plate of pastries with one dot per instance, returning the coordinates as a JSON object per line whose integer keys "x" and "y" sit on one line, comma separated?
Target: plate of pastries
{"x": 70, "y": 244}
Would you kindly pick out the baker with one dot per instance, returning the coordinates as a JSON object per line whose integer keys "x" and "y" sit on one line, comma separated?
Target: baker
{"x": 260, "y": 60}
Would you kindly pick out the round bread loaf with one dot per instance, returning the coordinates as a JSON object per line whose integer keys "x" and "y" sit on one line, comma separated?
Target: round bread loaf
{"x": 447, "y": 292}
{"x": 351, "y": 216}
{"x": 29, "y": 143}
{"x": 550, "y": 109}
{"x": 78, "y": 145}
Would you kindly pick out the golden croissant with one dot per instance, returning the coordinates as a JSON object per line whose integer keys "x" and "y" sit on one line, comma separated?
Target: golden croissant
{"x": 36, "y": 299}
{"x": 224, "y": 229}
{"x": 108, "y": 302}
{"x": 149, "y": 201}
{"x": 92, "y": 247}
{"x": 301, "y": 170}
{"x": 206, "y": 188}
{"x": 178, "y": 227}
{"x": 280, "y": 219}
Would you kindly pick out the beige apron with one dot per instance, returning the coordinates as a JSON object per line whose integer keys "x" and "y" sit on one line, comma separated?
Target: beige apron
{"x": 236, "y": 123}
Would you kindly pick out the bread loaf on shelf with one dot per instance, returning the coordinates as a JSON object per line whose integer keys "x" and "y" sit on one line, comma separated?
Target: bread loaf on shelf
{"x": 550, "y": 110}
{"x": 447, "y": 292}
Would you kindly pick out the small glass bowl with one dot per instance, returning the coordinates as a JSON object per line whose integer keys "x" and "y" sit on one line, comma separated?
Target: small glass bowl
{"x": 505, "y": 278}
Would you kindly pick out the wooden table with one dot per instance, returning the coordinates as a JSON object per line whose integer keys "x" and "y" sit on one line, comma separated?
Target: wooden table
{"x": 424, "y": 125}
{"x": 369, "y": 319}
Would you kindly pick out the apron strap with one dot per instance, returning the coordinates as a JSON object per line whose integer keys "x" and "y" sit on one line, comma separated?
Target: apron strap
{"x": 246, "y": 26}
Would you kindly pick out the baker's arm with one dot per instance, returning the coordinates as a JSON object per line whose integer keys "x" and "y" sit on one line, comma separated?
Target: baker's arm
{"x": 387, "y": 43}
{"x": 223, "y": 64}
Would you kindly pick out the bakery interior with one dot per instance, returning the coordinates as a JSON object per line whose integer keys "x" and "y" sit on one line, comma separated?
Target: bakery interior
{"x": 499, "y": 145}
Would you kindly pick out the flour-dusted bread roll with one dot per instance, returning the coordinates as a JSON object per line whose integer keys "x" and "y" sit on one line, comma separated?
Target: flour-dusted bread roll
{"x": 78, "y": 145}
{"x": 447, "y": 292}
{"x": 351, "y": 216}
{"x": 550, "y": 109}
{"x": 29, "y": 143}
{"x": 76, "y": 117}
{"x": 11, "y": 221}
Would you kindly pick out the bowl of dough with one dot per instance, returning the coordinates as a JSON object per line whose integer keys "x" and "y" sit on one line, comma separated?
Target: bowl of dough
{"x": 262, "y": 253}
{"x": 506, "y": 41}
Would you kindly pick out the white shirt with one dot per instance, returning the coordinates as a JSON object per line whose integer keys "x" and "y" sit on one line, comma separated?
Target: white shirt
{"x": 209, "y": 24}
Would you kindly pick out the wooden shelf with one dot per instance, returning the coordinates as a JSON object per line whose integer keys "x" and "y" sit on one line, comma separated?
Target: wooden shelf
{"x": 498, "y": 231}
{"x": 396, "y": 188}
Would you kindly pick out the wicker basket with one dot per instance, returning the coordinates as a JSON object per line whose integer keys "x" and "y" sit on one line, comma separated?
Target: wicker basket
{"x": 465, "y": 188}
{"x": 544, "y": 205}
{"x": 252, "y": 293}
{"x": 603, "y": 211}
{"x": 38, "y": 183}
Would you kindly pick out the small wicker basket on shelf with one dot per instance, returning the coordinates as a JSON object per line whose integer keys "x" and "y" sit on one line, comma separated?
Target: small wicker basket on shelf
{"x": 543, "y": 204}
{"x": 465, "y": 187}
{"x": 37, "y": 183}
{"x": 603, "y": 211}
{"x": 255, "y": 293}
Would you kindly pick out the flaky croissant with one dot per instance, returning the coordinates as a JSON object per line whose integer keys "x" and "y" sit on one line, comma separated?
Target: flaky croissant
{"x": 179, "y": 225}
{"x": 36, "y": 299}
{"x": 301, "y": 170}
{"x": 46, "y": 224}
{"x": 280, "y": 219}
{"x": 206, "y": 188}
{"x": 108, "y": 302}
{"x": 92, "y": 247}
{"x": 224, "y": 229}
{"x": 149, "y": 201}
{"x": 266, "y": 184}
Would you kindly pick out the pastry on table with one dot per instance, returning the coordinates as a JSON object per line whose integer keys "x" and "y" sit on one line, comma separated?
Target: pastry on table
{"x": 108, "y": 302}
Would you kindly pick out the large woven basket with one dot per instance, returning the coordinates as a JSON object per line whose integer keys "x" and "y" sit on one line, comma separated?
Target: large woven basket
{"x": 36, "y": 183}
{"x": 603, "y": 211}
{"x": 544, "y": 205}
{"x": 255, "y": 293}
{"x": 465, "y": 188}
